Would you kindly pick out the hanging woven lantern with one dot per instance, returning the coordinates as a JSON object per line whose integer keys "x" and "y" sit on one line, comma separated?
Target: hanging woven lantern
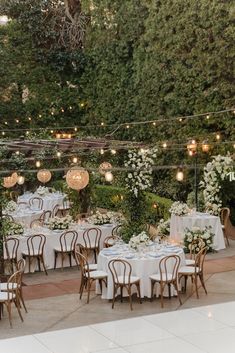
{"x": 44, "y": 176}
{"x": 14, "y": 177}
{"x": 77, "y": 178}
{"x": 9, "y": 182}
{"x": 104, "y": 167}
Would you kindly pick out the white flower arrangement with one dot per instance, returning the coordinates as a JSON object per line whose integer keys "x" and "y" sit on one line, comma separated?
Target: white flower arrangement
{"x": 215, "y": 172}
{"x": 139, "y": 239}
{"x": 163, "y": 228}
{"x": 179, "y": 209}
{"x": 141, "y": 163}
{"x": 196, "y": 239}
{"x": 42, "y": 190}
{"x": 12, "y": 228}
{"x": 60, "y": 223}
{"x": 11, "y": 207}
{"x": 99, "y": 218}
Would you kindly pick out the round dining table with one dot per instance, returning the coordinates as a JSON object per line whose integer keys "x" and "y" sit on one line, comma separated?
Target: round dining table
{"x": 144, "y": 264}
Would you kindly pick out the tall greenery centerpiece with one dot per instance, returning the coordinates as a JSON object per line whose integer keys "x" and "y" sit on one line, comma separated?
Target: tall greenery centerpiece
{"x": 138, "y": 180}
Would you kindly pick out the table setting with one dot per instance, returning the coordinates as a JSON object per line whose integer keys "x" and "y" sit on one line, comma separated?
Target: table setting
{"x": 144, "y": 260}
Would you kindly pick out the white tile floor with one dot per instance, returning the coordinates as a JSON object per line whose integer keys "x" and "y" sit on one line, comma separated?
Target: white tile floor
{"x": 199, "y": 330}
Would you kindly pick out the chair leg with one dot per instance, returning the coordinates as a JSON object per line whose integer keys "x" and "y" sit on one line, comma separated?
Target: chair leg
{"x": 88, "y": 291}
{"x": 202, "y": 282}
{"x": 130, "y": 297}
{"x": 121, "y": 292}
{"x": 177, "y": 291}
{"x": 152, "y": 287}
{"x": 100, "y": 283}
{"x": 169, "y": 290}
{"x": 22, "y": 299}
{"x": 195, "y": 281}
{"x": 43, "y": 264}
{"x": 70, "y": 260}
{"x": 82, "y": 285}
{"x": 39, "y": 265}
{"x": 55, "y": 260}
{"x": 8, "y": 305}
{"x": 138, "y": 290}
{"x": 17, "y": 304}
{"x": 29, "y": 264}
{"x": 162, "y": 289}
{"x": 114, "y": 295}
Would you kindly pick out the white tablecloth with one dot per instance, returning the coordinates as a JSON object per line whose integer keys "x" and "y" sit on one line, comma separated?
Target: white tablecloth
{"x": 142, "y": 267}
{"x": 52, "y": 241}
{"x": 180, "y": 223}
{"x": 49, "y": 201}
{"x": 25, "y": 216}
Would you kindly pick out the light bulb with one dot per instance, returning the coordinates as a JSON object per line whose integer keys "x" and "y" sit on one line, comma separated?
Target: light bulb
{"x": 58, "y": 154}
{"x": 21, "y": 180}
{"x": 38, "y": 164}
{"x": 179, "y": 175}
{"x": 101, "y": 151}
{"x": 75, "y": 160}
{"x": 164, "y": 145}
{"x": 108, "y": 177}
{"x": 113, "y": 151}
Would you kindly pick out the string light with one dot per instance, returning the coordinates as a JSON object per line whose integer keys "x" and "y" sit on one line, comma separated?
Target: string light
{"x": 70, "y": 108}
{"x": 109, "y": 177}
{"x": 52, "y": 131}
{"x": 75, "y": 129}
{"x": 75, "y": 160}
{"x": 113, "y": 151}
{"x": 164, "y": 145}
{"x": 62, "y": 110}
{"x": 20, "y": 179}
{"x": 38, "y": 164}
{"x": 218, "y": 137}
{"x": 17, "y": 121}
{"x": 101, "y": 151}
{"x": 39, "y": 115}
{"x": 180, "y": 120}
{"x": 3, "y": 133}
{"x": 154, "y": 123}
{"x": 102, "y": 123}
{"x": 58, "y": 154}
{"x": 17, "y": 153}
{"x": 29, "y": 118}
{"x": 208, "y": 116}
{"x": 6, "y": 123}
{"x": 27, "y": 132}
{"x": 179, "y": 175}
{"x": 82, "y": 105}
{"x": 128, "y": 126}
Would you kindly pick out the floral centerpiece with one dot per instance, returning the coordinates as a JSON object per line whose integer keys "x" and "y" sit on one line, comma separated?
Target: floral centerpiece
{"x": 179, "y": 209}
{"x": 59, "y": 223}
{"x": 11, "y": 228}
{"x": 11, "y": 207}
{"x": 196, "y": 239}
{"x": 42, "y": 190}
{"x": 163, "y": 228}
{"x": 139, "y": 239}
{"x": 215, "y": 172}
{"x": 99, "y": 218}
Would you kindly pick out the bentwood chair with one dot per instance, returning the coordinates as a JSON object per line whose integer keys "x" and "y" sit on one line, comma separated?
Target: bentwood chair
{"x": 55, "y": 210}
{"x": 10, "y": 296}
{"x": 36, "y": 202}
{"x": 68, "y": 240}
{"x": 167, "y": 276}
{"x": 116, "y": 231}
{"x": 65, "y": 207}
{"x": 91, "y": 238}
{"x": 192, "y": 253}
{"x": 88, "y": 276}
{"x": 195, "y": 271}
{"x": 82, "y": 250}
{"x": 11, "y": 246}
{"x": 14, "y": 286}
{"x": 224, "y": 216}
{"x": 109, "y": 241}
{"x": 42, "y": 220}
{"x": 121, "y": 271}
{"x": 35, "y": 250}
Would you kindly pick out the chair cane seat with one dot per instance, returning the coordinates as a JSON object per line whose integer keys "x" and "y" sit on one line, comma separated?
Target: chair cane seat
{"x": 188, "y": 270}
{"x": 5, "y": 295}
{"x": 190, "y": 262}
{"x": 91, "y": 267}
{"x": 157, "y": 277}
{"x": 125, "y": 280}
{"x": 58, "y": 249}
{"x": 31, "y": 253}
{"x": 97, "y": 274}
{"x": 11, "y": 286}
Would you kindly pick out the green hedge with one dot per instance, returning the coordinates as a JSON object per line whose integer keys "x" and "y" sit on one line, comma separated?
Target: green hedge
{"x": 112, "y": 198}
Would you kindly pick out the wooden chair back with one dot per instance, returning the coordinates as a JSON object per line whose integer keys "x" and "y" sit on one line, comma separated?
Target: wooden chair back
{"x": 110, "y": 241}
{"x": 68, "y": 240}
{"x": 169, "y": 265}
{"x": 14, "y": 279}
{"x": 224, "y": 216}
{"x": 116, "y": 231}
{"x": 36, "y": 202}
{"x": 36, "y": 244}
{"x": 84, "y": 266}
{"x": 91, "y": 238}
{"x": 200, "y": 258}
{"x": 120, "y": 270}
{"x": 55, "y": 210}
{"x": 11, "y": 246}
